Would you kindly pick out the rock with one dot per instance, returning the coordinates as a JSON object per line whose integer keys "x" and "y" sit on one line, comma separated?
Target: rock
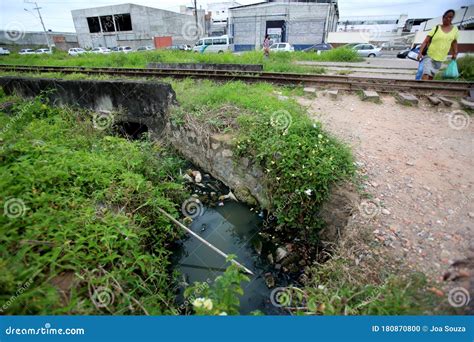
{"x": 385, "y": 211}
{"x": 447, "y": 102}
{"x": 368, "y": 95}
{"x": 244, "y": 195}
{"x": 309, "y": 90}
{"x": 409, "y": 163}
{"x": 197, "y": 176}
{"x": 333, "y": 93}
{"x": 407, "y": 99}
{"x": 471, "y": 215}
{"x": 467, "y": 104}
{"x": 281, "y": 253}
{"x": 227, "y": 153}
{"x": 269, "y": 280}
{"x": 434, "y": 100}
{"x": 283, "y": 98}
{"x": 215, "y": 146}
{"x": 270, "y": 259}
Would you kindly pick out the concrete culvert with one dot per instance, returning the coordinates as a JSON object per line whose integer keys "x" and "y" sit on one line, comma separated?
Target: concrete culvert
{"x": 131, "y": 130}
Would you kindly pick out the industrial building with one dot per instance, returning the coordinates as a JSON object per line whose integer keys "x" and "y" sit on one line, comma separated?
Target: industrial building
{"x": 134, "y": 25}
{"x": 19, "y": 40}
{"x": 301, "y": 23}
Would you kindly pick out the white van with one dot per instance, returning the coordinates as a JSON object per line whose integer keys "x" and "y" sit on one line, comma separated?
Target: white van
{"x": 214, "y": 44}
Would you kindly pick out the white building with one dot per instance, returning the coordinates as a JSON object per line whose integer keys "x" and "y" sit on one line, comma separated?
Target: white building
{"x": 219, "y": 14}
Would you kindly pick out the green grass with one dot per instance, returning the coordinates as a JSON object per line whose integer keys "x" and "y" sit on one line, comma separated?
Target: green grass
{"x": 295, "y": 153}
{"x": 278, "y": 62}
{"x": 331, "y": 292}
{"x": 89, "y": 222}
{"x": 85, "y": 212}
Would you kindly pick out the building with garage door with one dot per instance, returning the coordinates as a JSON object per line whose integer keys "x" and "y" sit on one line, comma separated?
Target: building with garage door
{"x": 300, "y": 23}
{"x": 134, "y": 25}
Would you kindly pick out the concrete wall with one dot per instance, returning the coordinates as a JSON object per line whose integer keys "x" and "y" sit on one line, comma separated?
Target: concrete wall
{"x": 147, "y": 22}
{"x": 305, "y": 23}
{"x": 214, "y": 154}
{"x": 146, "y": 103}
{"x": 61, "y": 40}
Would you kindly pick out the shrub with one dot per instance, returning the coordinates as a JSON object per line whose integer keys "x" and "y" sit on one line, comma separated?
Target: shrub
{"x": 81, "y": 232}
{"x": 466, "y": 67}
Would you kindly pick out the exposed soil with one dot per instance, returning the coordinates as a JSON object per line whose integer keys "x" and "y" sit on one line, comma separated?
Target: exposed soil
{"x": 418, "y": 165}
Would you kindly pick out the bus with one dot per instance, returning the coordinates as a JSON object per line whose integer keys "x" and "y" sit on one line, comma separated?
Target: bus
{"x": 214, "y": 45}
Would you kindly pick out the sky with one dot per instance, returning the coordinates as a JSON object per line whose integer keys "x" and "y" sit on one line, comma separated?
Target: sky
{"x": 57, "y": 14}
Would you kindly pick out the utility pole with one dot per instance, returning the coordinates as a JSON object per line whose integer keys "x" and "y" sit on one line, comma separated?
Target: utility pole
{"x": 42, "y": 23}
{"x": 196, "y": 17}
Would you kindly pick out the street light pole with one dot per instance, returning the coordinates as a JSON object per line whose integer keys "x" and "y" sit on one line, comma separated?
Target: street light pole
{"x": 196, "y": 17}
{"x": 42, "y": 23}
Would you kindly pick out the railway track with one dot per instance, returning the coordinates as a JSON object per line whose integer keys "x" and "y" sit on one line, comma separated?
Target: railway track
{"x": 351, "y": 83}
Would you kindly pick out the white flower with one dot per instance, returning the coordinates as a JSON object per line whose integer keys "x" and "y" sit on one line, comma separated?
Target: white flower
{"x": 198, "y": 302}
{"x": 208, "y": 304}
{"x": 308, "y": 192}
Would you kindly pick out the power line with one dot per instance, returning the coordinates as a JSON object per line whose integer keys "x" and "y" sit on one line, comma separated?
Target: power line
{"x": 37, "y": 8}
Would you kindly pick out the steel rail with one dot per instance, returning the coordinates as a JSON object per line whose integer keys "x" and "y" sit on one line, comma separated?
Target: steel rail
{"x": 351, "y": 83}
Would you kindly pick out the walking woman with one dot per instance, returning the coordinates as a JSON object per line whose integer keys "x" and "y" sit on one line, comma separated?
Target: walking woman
{"x": 440, "y": 40}
{"x": 266, "y": 46}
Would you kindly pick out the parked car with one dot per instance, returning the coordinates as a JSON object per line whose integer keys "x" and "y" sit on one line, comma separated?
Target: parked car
{"x": 76, "y": 51}
{"x": 43, "y": 51}
{"x": 26, "y": 52}
{"x": 124, "y": 49}
{"x": 367, "y": 50}
{"x": 319, "y": 47}
{"x": 181, "y": 47}
{"x": 4, "y": 51}
{"x": 282, "y": 47}
{"x": 145, "y": 48}
{"x": 410, "y": 53}
{"x": 100, "y": 49}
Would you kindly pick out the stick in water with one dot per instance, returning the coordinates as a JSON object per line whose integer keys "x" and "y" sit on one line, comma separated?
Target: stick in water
{"x": 202, "y": 240}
